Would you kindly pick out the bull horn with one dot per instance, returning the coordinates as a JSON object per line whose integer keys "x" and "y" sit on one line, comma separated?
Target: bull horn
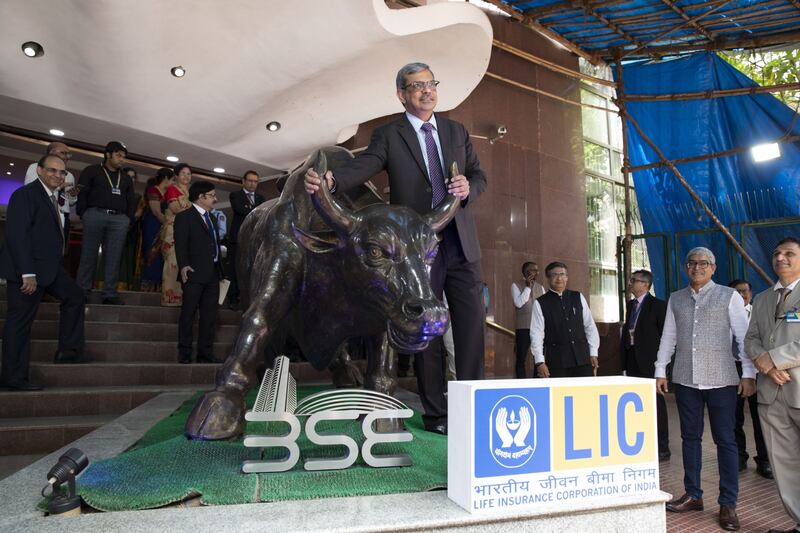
{"x": 443, "y": 213}
{"x": 338, "y": 218}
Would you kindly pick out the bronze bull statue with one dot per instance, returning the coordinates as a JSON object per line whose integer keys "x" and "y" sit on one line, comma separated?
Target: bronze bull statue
{"x": 352, "y": 273}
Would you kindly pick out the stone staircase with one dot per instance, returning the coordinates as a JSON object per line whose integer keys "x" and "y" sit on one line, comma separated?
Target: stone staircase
{"x": 134, "y": 357}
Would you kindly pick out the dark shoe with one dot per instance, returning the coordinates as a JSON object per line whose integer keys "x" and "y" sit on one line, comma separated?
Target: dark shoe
{"x": 64, "y": 358}
{"x": 21, "y": 386}
{"x": 742, "y": 464}
{"x": 113, "y": 300}
{"x": 210, "y": 360}
{"x": 764, "y": 469}
{"x": 728, "y": 519}
{"x": 402, "y": 373}
{"x": 664, "y": 456}
{"x": 441, "y": 429}
{"x": 185, "y": 360}
{"x": 685, "y": 503}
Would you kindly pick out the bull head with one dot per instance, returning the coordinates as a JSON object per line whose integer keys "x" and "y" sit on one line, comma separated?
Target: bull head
{"x": 342, "y": 221}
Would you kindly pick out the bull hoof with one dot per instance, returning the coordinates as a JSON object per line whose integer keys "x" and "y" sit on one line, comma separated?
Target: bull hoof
{"x": 216, "y": 416}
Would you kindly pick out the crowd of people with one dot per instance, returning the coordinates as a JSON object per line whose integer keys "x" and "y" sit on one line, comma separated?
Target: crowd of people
{"x": 722, "y": 349}
{"x": 172, "y": 238}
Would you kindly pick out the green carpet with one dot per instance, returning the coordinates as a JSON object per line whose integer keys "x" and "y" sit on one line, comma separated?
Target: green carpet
{"x": 164, "y": 467}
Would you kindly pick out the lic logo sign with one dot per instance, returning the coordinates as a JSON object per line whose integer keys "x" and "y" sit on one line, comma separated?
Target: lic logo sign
{"x": 512, "y": 431}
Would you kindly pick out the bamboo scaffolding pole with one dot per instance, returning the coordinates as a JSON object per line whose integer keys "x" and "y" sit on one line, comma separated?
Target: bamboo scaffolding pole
{"x": 674, "y": 7}
{"x": 545, "y": 93}
{"x": 724, "y": 44}
{"x": 550, "y": 65}
{"x": 719, "y": 93}
{"x": 699, "y": 201}
{"x": 626, "y": 178}
{"x": 776, "y": 22}
{"x": 534, "y": 25}
{"x": 706, "y": 157}
{"x": 675, "y": 28}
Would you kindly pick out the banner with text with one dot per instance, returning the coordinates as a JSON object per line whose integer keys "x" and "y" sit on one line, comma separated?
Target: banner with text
{"x": 550, "y": 444}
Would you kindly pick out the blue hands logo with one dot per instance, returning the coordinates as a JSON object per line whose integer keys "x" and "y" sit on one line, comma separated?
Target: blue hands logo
{"x": 511, "y": 431}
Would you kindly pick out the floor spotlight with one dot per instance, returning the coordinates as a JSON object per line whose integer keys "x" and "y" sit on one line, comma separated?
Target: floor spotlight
{"x": 65, "y": 470}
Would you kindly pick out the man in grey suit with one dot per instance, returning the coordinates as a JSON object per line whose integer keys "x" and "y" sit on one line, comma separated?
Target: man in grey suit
{"x": 773, "y": 343}
{"x": 417, "y": 151}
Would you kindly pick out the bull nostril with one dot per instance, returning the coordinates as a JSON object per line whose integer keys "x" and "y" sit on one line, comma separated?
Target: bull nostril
{"x": 413, "y": 309}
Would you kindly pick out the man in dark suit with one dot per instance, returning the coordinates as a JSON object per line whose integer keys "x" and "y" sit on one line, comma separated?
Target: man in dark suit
{"x": 417, "y": 151}
{"x": 198, "y": 252}
{"x": 242, "y": 202}
{"x": 641, "y": 335}
{"x": 30, "y": 261}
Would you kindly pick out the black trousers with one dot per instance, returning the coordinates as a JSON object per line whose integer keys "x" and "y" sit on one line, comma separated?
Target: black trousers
{"x": 632, "y": 369}
{"x": 738, "y": 430}
{"x": 202, "y": 296}
{"x": 462, "y": 282}
{"x": 580, "y": 371}
{"x": 522, "y": 343}
{"x": 21, "y": 313}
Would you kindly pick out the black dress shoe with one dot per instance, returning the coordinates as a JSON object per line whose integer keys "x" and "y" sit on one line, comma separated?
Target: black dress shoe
{"x": 210, "y": 360}
{"x": 728, "y": 519}
{"x": 685, "y": 503}
{"x": 441, "y": 429}
{"x": 21, "y": 386}
{"x": 742, "y": 464}
{"x": 64, "y": 358}
{"x": 184, "y": 360}
{"x": 764, "y": 469}
{"x": 113, "y": 300}
{"x": 664, "y": 456}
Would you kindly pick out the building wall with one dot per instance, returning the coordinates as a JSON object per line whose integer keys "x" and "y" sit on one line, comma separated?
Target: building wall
{"x": 534, "y": 208}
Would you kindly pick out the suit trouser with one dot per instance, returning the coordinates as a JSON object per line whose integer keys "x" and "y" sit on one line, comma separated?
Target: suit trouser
{"x": 781, "y": 425}
{"x": 522, "y": 343}
{"x": 204, "y": 296}
{"x": 462, "y": 282}
{"x": 662, "y": 419}
{"x": 21, "y": 313}
{"x": 110, "y": 230}
{"x": 721, "y": 404}
{"x": 758, "y": 435}
{"x": 579, "y": 371}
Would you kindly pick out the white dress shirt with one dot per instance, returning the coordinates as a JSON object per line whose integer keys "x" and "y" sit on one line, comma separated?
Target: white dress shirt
{"x": 521, "y": 297}
{"x": 739, "y": 319}
{"x": 417, "y": 123}
{"x": 537, "y": 330}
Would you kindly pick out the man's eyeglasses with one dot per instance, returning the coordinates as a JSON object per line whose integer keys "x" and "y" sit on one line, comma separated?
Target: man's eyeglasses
{"x": 555, "y": 275}
{"x": 210, "y": 194}
{"x": 51, "y": 170}
{"x": 420, "y": 85}
{"x": 702, "y": 265}
{"x": 637, "y": 280}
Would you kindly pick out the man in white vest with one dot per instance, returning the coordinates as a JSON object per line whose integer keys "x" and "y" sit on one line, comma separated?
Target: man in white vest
{"x": 702, "y": 322}
{"x": 773, "y": 342}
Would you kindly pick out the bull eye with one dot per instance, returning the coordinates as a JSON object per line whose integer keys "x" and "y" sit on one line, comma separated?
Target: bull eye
{"x": 375, "y": 252}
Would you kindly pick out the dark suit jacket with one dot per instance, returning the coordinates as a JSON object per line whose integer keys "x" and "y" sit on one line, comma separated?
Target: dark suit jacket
{"x": 34, "y": 240}
{"x": 395, "y": 148}
{"x": 646, "y": 334}
{"x": 241, "y": 208}
{"x": 193, "y": 246}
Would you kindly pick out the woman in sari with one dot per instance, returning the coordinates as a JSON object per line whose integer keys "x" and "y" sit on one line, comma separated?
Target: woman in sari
{"x": 177, "y": 198}
{"x": 152, "y": 220}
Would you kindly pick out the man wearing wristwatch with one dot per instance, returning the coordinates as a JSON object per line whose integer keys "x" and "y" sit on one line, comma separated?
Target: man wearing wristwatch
{"x": 107, "y": 206}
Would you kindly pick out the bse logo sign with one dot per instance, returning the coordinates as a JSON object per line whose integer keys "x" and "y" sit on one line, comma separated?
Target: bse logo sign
{"x": 276, "y": 403}
{"x": 511, "y": 431}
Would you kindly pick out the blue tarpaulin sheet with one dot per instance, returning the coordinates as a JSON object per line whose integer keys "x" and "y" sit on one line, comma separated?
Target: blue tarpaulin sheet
{"x": 738, "y": 189}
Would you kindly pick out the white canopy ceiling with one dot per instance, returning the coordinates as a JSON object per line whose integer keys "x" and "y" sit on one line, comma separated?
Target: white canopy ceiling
{"x": 319, "y": 67}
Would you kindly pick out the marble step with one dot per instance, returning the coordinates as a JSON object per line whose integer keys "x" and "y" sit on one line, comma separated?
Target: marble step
{"x": 45, "y": 434}
{"x": 128, "y": 313}
{"x": 126, "y": 331}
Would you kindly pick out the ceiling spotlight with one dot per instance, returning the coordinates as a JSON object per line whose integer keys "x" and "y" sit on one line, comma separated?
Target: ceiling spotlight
{"x": 32, "y": 49}
{"x": 178, "y": 71}
{"x": 173, "y": 158}
{"x": 219, "y": 170}
{"x": 8, "y": 173}
{"x": 11, "y": 164}
{"x": 273, "y": 126}
{"x": 765, "y": 152}
{"x": 57, "y": 133}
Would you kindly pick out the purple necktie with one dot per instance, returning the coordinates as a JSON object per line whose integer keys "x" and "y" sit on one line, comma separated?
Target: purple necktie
{"x": 438, "y": 187}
